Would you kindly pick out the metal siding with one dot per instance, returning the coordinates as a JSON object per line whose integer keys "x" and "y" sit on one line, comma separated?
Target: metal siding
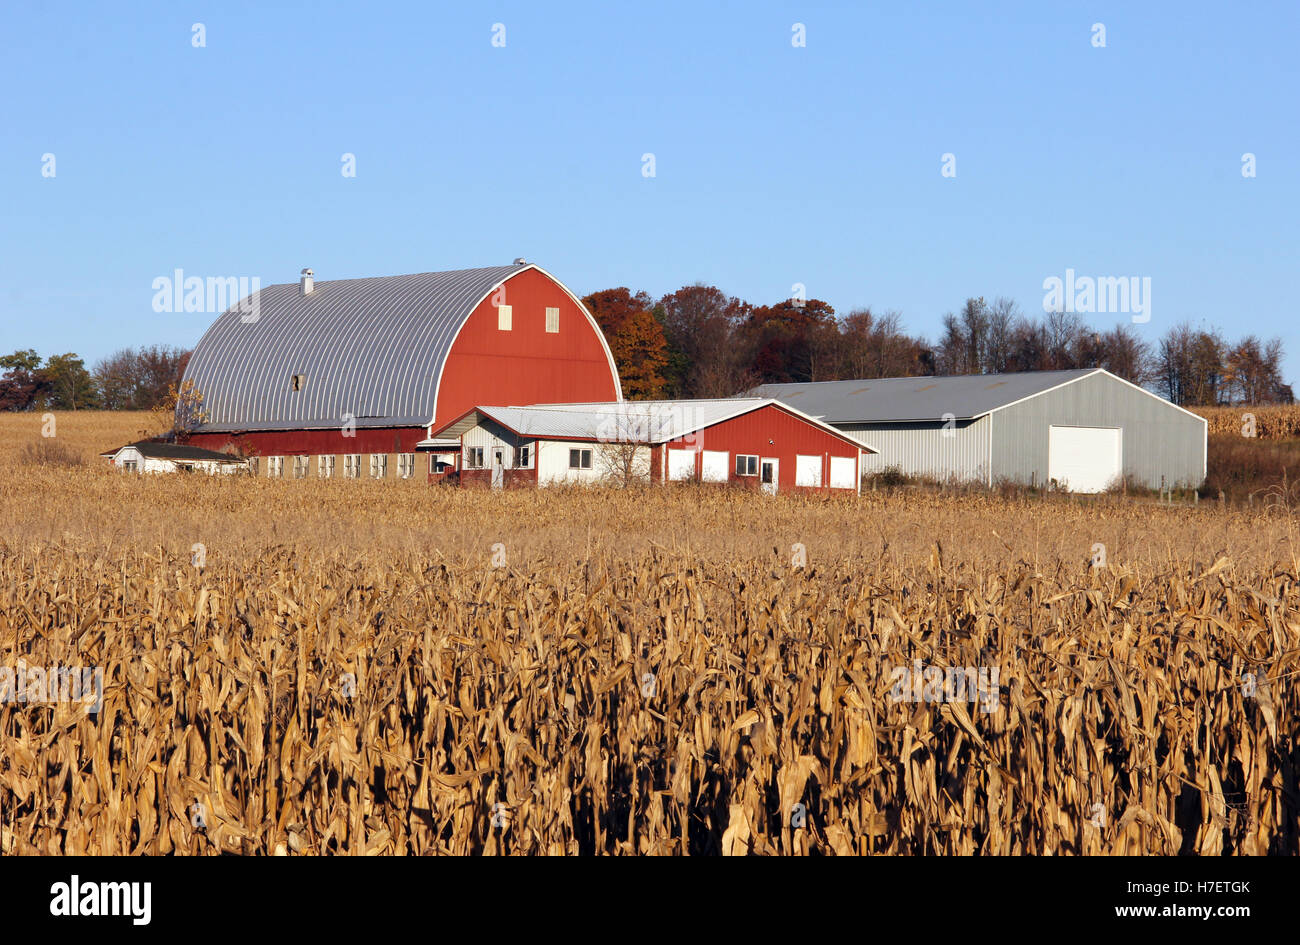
{"x": 490, "y": 435}
{"x": 1158, "y": 438}
{"x": 751, "y": 432}
{"x": 553, "y": 462}
{"x": 526, "y": 364}
{"x": 921, "y": 449}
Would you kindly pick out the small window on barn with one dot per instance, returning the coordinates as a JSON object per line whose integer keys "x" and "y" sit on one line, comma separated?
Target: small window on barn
{"x": 300, "y": 466}
{"x": 297, "y": 382}
{"x": 325, "y": 466}
{"x": 746, "y": 465}
{"x": 553, "y": 321}
{"x": 474, "y": 457}
{"x": 130, "y": 465}
{"x": 378, "y": 465}
{"x": 579, "y": 459}
{"x": 405, "y": 465}
{"x": 504, "y": 316}
{"x": 524, "y": 457}
{"x": 352, "y": 466}
{"x": 275, "y": 466}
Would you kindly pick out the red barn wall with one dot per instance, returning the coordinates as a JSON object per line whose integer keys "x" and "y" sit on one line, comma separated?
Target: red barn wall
{"x": 525, "y": 365}
{"x": 749, "y": 434}
{"x": 315, "y": 442}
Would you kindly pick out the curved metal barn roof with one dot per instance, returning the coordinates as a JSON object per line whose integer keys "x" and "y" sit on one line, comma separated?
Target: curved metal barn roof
{"x": 373, "y": 348}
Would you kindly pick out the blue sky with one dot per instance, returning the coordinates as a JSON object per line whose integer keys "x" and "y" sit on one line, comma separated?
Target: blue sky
{"x": 774, "y": 165}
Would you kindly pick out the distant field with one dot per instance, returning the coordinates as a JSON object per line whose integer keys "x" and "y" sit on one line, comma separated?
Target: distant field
{"x": 86, "y": 432}
{"x": 359, "y": 667}
{"x": 1269, "y": 423}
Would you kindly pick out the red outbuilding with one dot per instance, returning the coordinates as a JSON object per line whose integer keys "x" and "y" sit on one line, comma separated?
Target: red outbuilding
{"x": 745, "y": 441}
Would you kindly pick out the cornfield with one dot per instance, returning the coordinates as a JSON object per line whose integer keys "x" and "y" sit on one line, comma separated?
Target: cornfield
{"x": 1273, "y": 422}
{"x": 352, "y": 668}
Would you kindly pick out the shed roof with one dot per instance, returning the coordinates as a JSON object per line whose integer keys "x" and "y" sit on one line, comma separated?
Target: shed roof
{"x": 372, "y": 348}
{"x": 640, "y": 421}
{"x": 151, "y": 449}
{"x": 903, "y": 399}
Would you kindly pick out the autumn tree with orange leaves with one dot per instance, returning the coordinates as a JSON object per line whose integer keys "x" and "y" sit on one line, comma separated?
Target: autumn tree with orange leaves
{"x": 635, "y": 338}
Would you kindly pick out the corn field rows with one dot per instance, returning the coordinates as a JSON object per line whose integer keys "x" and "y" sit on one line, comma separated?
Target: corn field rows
{"x": 653, "y": 703}
{"x": 1273, "y": 422}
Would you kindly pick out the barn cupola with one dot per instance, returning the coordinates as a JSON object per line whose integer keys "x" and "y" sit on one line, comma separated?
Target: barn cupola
{"x": 307, "y": 283}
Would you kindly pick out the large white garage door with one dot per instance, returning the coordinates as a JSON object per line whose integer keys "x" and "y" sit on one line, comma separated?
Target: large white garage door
{"x": 1085, "y": 459}
{"x": 715, "y": 466}
{"x": 681, "y": 464}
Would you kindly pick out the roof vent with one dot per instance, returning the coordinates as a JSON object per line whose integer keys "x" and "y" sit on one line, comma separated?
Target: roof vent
{"x": 307, "y": 283}
{"x": 521, "y": 261}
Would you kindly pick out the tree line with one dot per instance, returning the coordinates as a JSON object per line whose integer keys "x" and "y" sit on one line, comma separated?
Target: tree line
{"x": 701, "y": 342}
{"x": 130, "y": 379}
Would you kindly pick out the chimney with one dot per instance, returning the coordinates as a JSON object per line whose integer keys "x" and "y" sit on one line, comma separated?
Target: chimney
{"x": 306, "y": 285}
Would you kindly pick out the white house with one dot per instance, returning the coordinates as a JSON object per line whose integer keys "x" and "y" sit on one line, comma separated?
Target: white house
{"x": 147, "y": 456}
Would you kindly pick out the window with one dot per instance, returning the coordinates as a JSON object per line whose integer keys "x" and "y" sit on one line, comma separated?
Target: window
{"x": 275, "y": 466}
{"x": 130, "y": 465}
{"x": 297, "y": 382}
{"x": 405, "y": 465}
{"x": 524, "y": 457}
{"x": 579, "y": 459}
{"x": 300, "y": 466}
{"x": 253, "y": 465}
{"x": 378, "y": 465}
{"x": 352, "y": 466}
{"x": 473, "y": 457}
{"x": 504, "y": 316}
{"x": 746, "y": 465}
{"x": 553, "y": 321}
{"x": 325, "y": 466}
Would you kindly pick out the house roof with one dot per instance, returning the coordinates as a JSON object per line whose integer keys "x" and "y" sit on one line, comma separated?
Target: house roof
{"x": 639, "y": 421}
{"x": 372, "y": 348}
{"x": 903, "y": 399}
{"x": 151, "y": 449}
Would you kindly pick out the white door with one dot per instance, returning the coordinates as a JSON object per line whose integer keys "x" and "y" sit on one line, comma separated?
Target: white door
{"x": 808, "y": 471}
{"x": 715, "y": 466}
{"x": 843, "y": 472}
{"x": 1085, "y": 459}
{"x": 498, "y": 468}
{"x": 681, "y": 464}
{"x": 767, "y": 475}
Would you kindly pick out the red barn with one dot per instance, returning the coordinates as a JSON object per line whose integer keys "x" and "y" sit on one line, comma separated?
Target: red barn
{"x": 745, "y": 441}
{"x": 346, "y": 377}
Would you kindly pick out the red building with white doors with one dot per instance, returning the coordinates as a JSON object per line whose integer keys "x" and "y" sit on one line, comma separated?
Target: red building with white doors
{"x": 756, "y": 442}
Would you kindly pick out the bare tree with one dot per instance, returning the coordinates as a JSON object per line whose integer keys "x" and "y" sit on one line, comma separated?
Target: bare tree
{"x": 623, "y": 463}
